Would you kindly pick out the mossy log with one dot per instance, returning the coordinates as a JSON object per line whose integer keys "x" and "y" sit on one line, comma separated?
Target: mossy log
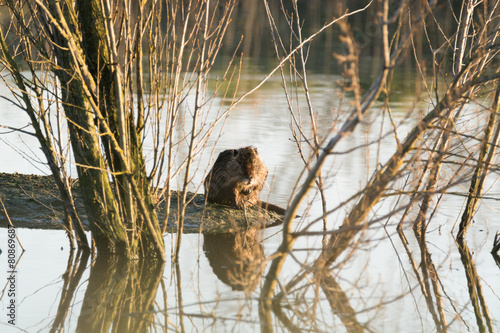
{"x": 33, "y": 202}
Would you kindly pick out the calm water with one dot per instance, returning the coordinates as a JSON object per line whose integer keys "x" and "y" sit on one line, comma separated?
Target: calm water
{"x": 385, "y": 286}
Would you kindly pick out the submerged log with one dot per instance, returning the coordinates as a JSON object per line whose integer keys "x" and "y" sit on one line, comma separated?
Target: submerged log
{"x": 214, "y": 218}
{"x": 33, "y": 201}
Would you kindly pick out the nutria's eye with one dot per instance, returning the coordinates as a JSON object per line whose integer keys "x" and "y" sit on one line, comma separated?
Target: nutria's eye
{"x": 235, "y": 152}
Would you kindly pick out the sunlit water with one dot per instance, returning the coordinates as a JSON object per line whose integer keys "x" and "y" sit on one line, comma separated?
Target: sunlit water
{"x": 201, "y": 293}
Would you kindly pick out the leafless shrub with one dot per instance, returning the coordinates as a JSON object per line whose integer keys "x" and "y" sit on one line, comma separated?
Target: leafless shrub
{"x": 119, "y": 74}
{"x": 436, "y": 155}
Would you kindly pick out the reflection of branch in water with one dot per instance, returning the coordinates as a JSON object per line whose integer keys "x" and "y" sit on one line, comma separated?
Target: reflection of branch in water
{"x": 428, "y": 273}
{"x": 120, "y": 294}
{"x": 299, "y": 312}
{"x": 430, "y": 276}
{"x": 236, "y": 258}
{"x": 474, "y": 286}
{"x": 180, "y": 302}
{"x": 339, "y": 302}
{"x": 165, "y": 304}
{"x": 71, "y": 278}
{"x": 496, "y": 247}
{"x": 496, "y": 257}
{"x": 286, "y": 309}
{"x": 278, "y": 311}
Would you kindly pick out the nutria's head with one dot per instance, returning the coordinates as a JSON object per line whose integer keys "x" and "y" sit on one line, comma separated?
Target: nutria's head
{"x": 253, "y": 170}
{"x": 237, "y": 176}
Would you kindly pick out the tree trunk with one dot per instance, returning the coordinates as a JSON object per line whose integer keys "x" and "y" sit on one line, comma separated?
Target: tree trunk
{"x": 122, "y": 216}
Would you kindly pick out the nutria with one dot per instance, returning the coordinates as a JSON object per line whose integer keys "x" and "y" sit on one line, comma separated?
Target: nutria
{"x": 236, "y": 178}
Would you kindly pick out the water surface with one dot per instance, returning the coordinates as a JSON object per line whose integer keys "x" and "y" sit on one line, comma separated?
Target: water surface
{"x": 390, "y": 283}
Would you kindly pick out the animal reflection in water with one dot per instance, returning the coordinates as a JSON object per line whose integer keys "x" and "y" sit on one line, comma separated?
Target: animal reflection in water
{"x": 236, "y": 258}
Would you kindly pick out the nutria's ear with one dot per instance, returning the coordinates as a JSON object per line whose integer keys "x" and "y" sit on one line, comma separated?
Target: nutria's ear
{"x": 235, "y": 152}
{"x": 255, "y": 150}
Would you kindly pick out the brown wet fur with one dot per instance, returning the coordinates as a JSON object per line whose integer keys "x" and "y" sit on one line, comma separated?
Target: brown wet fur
{"x": 237, "y": 177}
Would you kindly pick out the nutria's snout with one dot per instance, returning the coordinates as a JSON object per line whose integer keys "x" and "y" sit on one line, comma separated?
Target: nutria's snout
{"x": 236, "y": 178}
